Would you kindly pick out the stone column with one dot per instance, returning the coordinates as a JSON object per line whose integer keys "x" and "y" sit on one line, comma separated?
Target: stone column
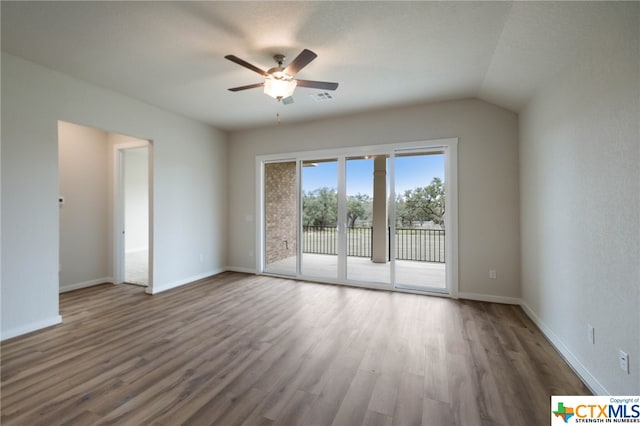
{"x": 380, "y": 246}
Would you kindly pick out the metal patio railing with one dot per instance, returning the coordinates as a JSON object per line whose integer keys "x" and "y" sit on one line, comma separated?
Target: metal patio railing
{"x": 418, "y": 244}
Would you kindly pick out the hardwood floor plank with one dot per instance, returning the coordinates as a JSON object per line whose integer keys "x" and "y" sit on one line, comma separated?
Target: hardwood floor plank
{"x": 437, "y": 413}
{"x": 295, "y": 410}
{"x": 333, "y": 387}
{"x": 373, "y": 418}
{"x": 479, "y": 333}
{"x": 354, "y": 404}
{"x": 385, "y": 392}
{"x": 436, "y": 373}
{"x": 243, "y": 349}
{"x": 409, "y": 404}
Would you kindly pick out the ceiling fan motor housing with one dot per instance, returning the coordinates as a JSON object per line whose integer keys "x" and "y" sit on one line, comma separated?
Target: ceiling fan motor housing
{"x": 279, "y": 71}
{"x": 279, "y": 59}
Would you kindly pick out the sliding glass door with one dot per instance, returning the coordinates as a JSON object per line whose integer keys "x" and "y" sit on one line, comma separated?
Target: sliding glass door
{"x": 367, "y": 231}
{"x": 386, "y": 219}
{"x": 280, "y": 251}
{"x": 320, "y": 218}
{"x": 419, "y": 237}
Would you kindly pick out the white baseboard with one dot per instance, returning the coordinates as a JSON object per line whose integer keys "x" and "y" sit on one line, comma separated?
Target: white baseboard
{"x": 240, "y": 269}
{"x": 84, "y": 284}
{"x": 34, "y": 326}
{"x": 489, "y": 298}
{"x": 592, "y": 383}
{"x": 164, "y": 287}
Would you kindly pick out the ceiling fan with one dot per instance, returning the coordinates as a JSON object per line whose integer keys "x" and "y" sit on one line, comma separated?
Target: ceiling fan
{"x": 279, "y": 81}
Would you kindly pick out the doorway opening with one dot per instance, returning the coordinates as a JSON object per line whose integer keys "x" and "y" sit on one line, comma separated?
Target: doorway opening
{"x": 135, "y": 187}
{"x": 91, "y": 165}
{"x": 133, "y": 252}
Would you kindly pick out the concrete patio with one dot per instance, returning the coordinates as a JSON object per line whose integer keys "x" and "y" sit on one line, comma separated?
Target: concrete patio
{"x": 411, "y": 274}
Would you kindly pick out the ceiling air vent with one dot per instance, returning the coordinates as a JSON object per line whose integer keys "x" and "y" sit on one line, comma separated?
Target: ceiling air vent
{"x": 322, "y": 97}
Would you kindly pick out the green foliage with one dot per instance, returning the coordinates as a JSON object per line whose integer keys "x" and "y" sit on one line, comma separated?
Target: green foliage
{"x": 320, "y": 207}
{"x": 421, "y": 204}
{"x": 358, "y": 207}
{"x": 404, "y": 214}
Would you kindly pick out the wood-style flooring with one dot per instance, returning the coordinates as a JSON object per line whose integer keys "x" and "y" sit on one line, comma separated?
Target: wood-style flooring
{"x": 242, "y": 349}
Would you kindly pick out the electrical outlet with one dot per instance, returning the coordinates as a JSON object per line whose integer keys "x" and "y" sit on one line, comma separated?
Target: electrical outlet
{"x": 623, "y": 359}
{"x": 591, "y": 334}
{"x": 492, "y": 274}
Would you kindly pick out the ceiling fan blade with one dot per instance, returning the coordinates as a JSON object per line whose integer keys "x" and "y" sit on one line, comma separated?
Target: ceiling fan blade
{"x": 246, "y": 64}
{"x": 301, "y": 61}
{"x": 324, "y": 85}
{"x": 249, "y": 86}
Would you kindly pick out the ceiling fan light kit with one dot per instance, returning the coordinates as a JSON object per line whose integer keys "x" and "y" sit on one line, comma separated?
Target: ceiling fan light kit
{"x": 279, "y": 82}
{"x": 279, "y": 88}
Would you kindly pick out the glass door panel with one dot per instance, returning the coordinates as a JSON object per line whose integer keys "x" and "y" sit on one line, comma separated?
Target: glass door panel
{"x": 419, "y": 221}
{"x": 320, "y": 218}
{"x": 280, "y": 218}
{"x": 367, "y": 224}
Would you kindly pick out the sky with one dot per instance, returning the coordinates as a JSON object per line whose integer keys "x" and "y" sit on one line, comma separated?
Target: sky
{"x": 411, "y": 172}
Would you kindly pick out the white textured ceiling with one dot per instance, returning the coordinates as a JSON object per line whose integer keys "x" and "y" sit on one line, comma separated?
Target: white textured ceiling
{"x": 383, "y": 54}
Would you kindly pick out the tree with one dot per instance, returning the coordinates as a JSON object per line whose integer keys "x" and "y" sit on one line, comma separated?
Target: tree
{"x": 358, "y": 207}
{"x": 423, "y": 204}
{"x": 320, "y": 207}
{"x": 434, "y": 208}
{"x": 403, "y": 211}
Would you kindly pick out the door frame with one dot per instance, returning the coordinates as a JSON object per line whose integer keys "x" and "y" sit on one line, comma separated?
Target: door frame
{"x": 119, "y": 212}
{"x": 450, "y": 215}
{"x": 450, "y": 148}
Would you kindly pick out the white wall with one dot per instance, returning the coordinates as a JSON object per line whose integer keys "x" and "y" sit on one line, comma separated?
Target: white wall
{"x": 487, "y": 181}
{"x": 580, "y": 211}
{"x": 136, "y": 200}
{"x": 189, "y": 186}
{"x": 86, "y": 215}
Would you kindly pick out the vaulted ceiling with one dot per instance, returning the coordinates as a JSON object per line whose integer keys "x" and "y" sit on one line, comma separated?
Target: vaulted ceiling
{"x": 383, "y": 54}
